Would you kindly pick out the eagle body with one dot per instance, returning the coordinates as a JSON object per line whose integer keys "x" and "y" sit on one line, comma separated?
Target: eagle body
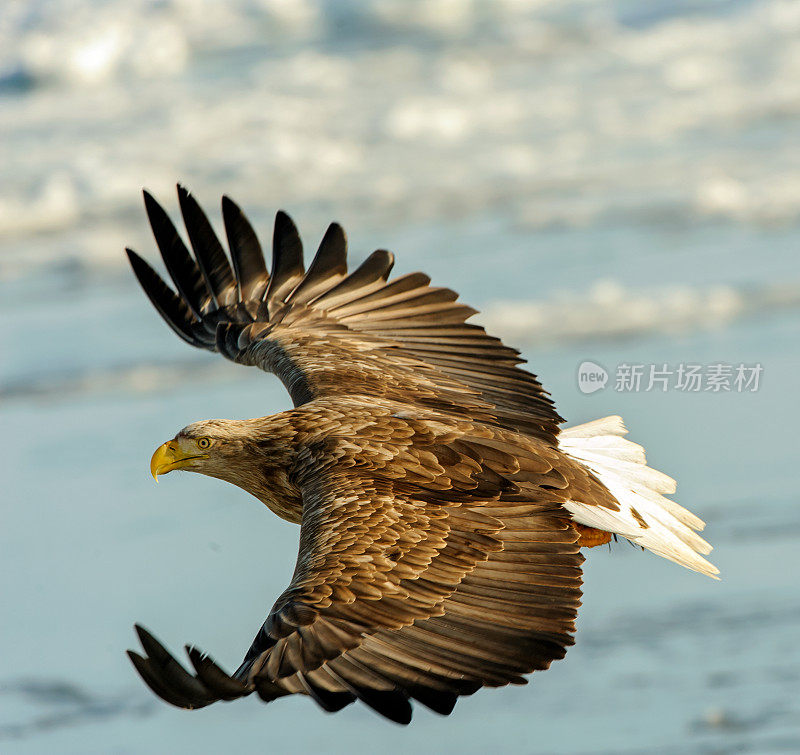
{"x": 441, "y": 507}
{"x": 398, "y": 442}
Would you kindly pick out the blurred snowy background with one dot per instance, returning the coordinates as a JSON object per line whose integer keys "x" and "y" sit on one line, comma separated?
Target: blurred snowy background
{"x": 614, "y": 180}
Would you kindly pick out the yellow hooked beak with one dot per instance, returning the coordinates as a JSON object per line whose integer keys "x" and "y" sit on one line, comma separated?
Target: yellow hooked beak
{"x": 169, "y": 456}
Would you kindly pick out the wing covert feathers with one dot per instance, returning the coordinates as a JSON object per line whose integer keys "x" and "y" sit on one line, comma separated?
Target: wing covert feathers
{"x": 324, "y": 332}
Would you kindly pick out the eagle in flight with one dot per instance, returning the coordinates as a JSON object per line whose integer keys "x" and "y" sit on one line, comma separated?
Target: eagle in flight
{"x": 442, "y": 511}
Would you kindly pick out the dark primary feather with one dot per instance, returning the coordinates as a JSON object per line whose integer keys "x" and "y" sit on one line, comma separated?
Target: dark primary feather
{"x": 248, "y": 259}
{"x": 172, "y": 308}
{"x": 210, "y": 255}
{"x": 181, "y": 266}
{"x": 327, "y": 268}
{"x": 287, "y": 261}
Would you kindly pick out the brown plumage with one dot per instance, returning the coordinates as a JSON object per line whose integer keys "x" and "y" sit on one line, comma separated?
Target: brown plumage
{"x": 439, "y": 540}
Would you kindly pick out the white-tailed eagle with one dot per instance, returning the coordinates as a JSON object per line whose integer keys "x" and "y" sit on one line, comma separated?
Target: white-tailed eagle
{"x": 441, "y": 509}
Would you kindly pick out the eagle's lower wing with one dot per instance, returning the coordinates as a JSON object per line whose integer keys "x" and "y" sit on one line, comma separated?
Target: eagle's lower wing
{"x": 324, "y": 332}
{"x": 425, "y": 589}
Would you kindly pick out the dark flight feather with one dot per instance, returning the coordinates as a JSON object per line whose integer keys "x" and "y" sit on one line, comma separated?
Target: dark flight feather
{"x": 211, "y": 257}
{"x": 180, "y": 264}
{"x": 248, "y": 260}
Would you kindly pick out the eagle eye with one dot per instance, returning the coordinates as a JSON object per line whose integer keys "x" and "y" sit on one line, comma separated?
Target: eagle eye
{"x": 203, "y": 442}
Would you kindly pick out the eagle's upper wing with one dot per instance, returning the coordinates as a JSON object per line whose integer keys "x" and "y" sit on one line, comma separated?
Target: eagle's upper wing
{"x": 448, "y": 568}
{"x": 324, "y": 332}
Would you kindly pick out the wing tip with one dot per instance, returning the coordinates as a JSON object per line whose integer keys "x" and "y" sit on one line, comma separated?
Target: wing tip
{"x": 133, "y": 257}
{"x": 152, "y": 206}
{"x": 284, "y": 225}
{"x": 283, "y": 216}
{"x": 335, "y": 237}
{"x": 229, "y": 206}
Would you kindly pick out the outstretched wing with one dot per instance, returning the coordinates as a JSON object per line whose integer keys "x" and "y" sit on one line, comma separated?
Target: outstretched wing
{"x": 324, "y": 332}
{"x": 425, "y": 586}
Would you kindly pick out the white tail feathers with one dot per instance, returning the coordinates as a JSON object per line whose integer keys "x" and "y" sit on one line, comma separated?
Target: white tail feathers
{"x": 645, "y": 517}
